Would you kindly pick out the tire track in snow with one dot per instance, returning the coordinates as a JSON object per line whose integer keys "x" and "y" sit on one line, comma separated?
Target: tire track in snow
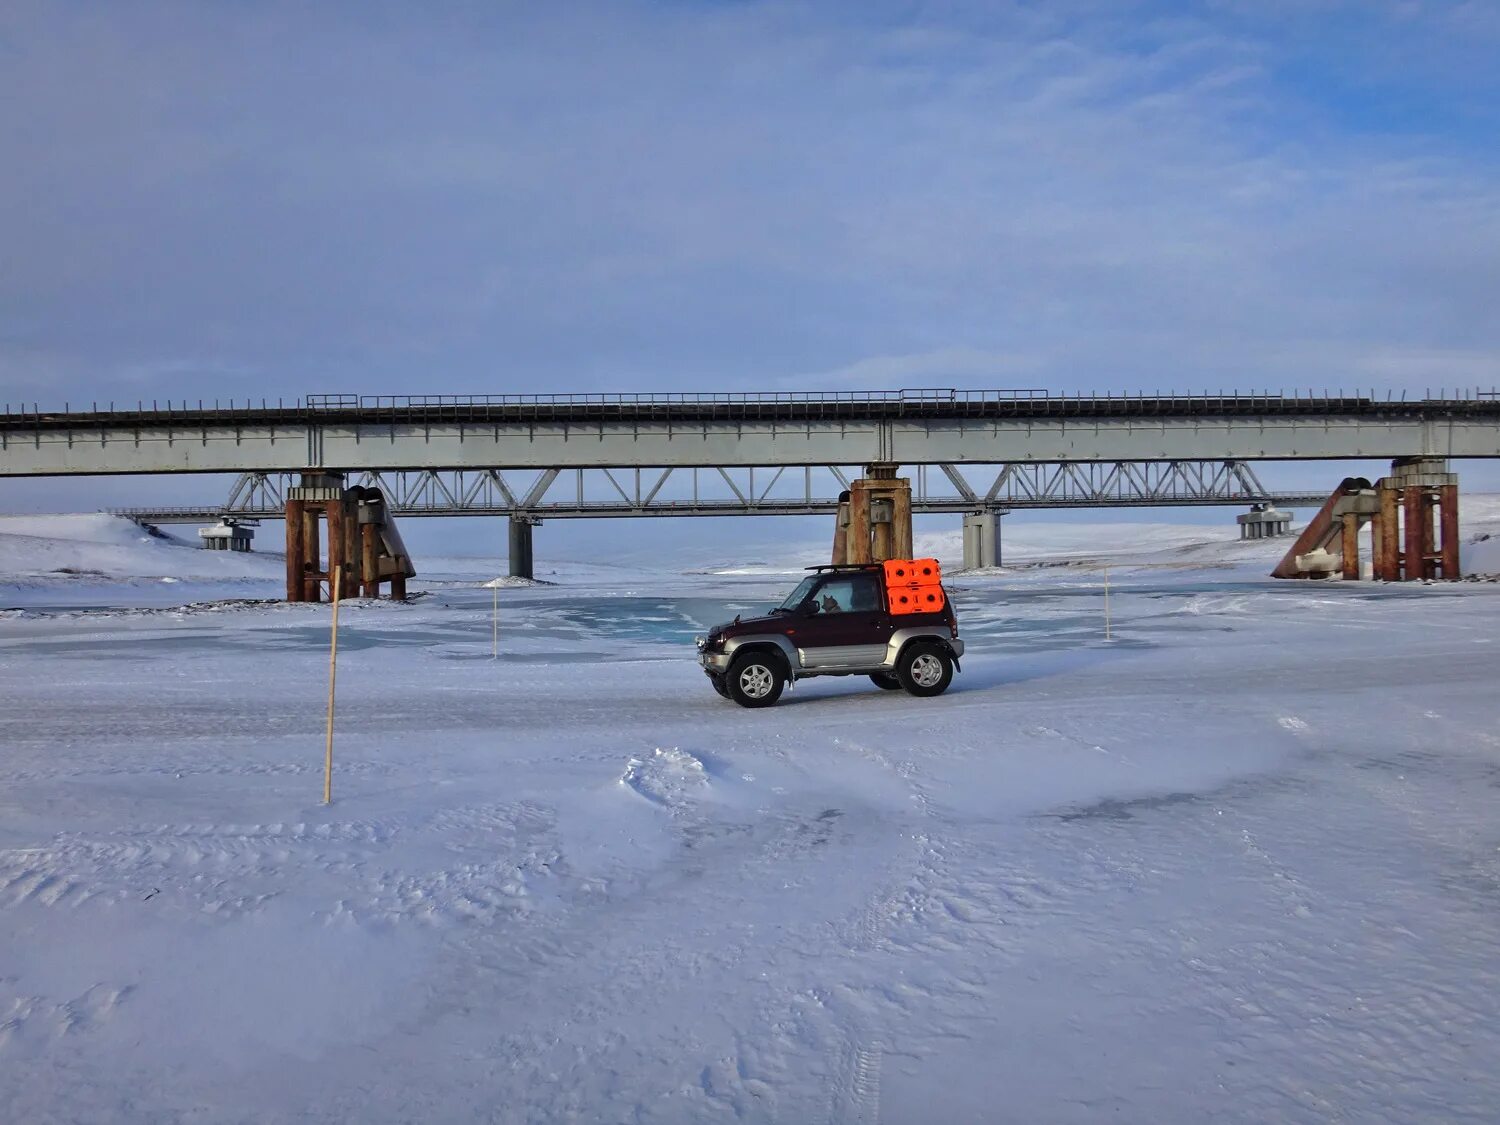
{"x": 855, "y": 1094}
{"x": 854, "y": 1098}
{"x": 564, "y": 1033}
{"x": 221, "y": 869}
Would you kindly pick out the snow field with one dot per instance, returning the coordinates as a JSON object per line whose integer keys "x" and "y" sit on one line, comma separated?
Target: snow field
{"x": 1240, "y": 861}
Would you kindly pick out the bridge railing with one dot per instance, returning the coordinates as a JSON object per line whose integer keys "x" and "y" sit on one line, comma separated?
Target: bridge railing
{"x": 756, "y": 404}
{"x": 676, "y": 398}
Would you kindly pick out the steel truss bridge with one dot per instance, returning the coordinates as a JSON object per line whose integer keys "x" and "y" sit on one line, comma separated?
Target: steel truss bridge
{"x": 557, "y": 493}
{"x": 542, "y": 433}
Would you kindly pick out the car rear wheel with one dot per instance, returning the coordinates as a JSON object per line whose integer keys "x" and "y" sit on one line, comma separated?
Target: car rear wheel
{"x": 885, "y": 680}
{"x": 925, "y": 669}
{"x": 755, "y": 680}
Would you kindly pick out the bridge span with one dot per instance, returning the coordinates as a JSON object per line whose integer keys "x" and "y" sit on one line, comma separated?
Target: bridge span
{"x": 444, "y": 455}
{"x": 375, "y": 433}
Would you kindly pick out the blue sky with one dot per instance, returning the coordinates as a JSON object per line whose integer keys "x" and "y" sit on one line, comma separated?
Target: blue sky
{"x": 215, "y": 200}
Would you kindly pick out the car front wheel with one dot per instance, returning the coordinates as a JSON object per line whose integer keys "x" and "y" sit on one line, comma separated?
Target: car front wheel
{"x": 755, "y": 680}
{"x": 925, "y": 669}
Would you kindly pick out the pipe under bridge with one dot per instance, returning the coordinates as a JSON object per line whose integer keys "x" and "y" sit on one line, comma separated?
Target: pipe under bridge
{"x": 557, "y": 493}
{"x": 765, "y": 491}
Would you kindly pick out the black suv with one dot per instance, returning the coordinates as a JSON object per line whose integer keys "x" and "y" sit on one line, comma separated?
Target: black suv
{"x": 858, "y": 620}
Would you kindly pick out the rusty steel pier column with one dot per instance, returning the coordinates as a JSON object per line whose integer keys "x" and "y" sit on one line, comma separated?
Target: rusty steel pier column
{"x": 1448, "y": 530}
{"x": 880, "y": 479}
{"x": 858, "y": 541}
{"x": 1349, "y": 547}
{"x": 901, "y": 534}
{"x": 316, "y": 496}
{"x": 841, "y": 530}
{"x": 1414, "y": 514}
{"x": 1386, "y": 536}
{"x": 337, "y": 541}
{"x": 312, "y": 552}
{"x": 1429, "y": 533}
{"x": 350, "y": 509}
{"x": 1428, "y": 501}
{"x": 874, "y": 518}
{"x": 295, "y": 550}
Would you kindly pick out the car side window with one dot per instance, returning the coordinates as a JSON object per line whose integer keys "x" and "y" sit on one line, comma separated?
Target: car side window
{"x": 853, "y": 593}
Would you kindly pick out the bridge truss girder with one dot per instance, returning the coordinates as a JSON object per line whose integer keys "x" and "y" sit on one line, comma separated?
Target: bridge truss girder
{"x": 769, "y": 490}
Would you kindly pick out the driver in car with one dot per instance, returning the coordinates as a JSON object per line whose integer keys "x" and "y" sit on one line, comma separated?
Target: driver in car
{"x": 829, "y": 604}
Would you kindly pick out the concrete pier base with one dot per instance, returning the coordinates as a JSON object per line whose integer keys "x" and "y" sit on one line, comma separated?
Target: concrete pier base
{"x": 981, "y": 540}
{"x": 1263, "y": 521}
{"x": 521, "y": 564}
{"x": 229, "y": 534}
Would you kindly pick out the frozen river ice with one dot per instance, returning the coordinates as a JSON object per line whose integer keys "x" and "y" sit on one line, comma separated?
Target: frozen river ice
{"x": 1242, "y": 860}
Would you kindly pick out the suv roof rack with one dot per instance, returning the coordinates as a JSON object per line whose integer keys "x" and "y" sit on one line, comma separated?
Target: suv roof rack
{"x": 846, "y": 566}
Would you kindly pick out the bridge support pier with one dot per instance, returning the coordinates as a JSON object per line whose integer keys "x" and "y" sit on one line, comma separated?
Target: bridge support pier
{"x": 981, "y": 540}
{"x": 319, "y": 497}
{"x": 1263, "y": 521}
{"x": 521, "y": 563}
{"x": 364, "y": 547}
{"x": 1413, "y": 520}
{"x": 874, "y": 518}
{"x": 1423, "y": 495}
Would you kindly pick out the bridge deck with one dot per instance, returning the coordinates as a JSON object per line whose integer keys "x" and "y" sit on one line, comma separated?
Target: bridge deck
{"x": 928, "y": 427}
{"x": 790, "y": 408}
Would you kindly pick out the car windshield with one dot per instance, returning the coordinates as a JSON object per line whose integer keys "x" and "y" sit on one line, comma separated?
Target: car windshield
{"x": 800, "y": 594}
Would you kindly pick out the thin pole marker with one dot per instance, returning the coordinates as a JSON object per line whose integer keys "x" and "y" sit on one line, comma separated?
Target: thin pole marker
{"x": 333, "y": 667}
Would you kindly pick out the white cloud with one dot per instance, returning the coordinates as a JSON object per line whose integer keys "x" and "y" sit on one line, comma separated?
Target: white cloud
{"x": 652, "y": 197}
{"x": 944, "y": 367}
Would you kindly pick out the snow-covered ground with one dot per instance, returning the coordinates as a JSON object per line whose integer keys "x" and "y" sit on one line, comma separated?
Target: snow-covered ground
{"x": 1241, "y": 860}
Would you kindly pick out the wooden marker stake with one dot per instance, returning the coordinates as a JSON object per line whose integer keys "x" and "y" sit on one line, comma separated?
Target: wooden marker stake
{"x": 333, "y": 667}
{"x": 495, "y": 630}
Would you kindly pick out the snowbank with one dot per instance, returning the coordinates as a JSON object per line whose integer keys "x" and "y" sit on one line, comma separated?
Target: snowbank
{"x": 1479, "y": 521}
{"x": 100, "y": 547}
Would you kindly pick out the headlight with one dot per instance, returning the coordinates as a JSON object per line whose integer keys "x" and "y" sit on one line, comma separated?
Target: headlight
{"x": 701, "y": 642}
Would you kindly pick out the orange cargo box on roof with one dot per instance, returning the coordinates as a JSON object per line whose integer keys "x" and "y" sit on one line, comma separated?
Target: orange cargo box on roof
{"x": 905, "y": 572}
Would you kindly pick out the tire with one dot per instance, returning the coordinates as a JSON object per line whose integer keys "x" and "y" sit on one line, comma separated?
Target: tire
{"x": 718, "y": 682}
{"x": 885, "y": 681}
{"x": 756, "y": 679}
{"x": 925, "y": 669}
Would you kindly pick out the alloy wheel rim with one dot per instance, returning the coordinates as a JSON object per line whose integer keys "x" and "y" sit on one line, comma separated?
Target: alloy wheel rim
{"x": 756, "y": 681}
{"x": 926, "y": 670}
